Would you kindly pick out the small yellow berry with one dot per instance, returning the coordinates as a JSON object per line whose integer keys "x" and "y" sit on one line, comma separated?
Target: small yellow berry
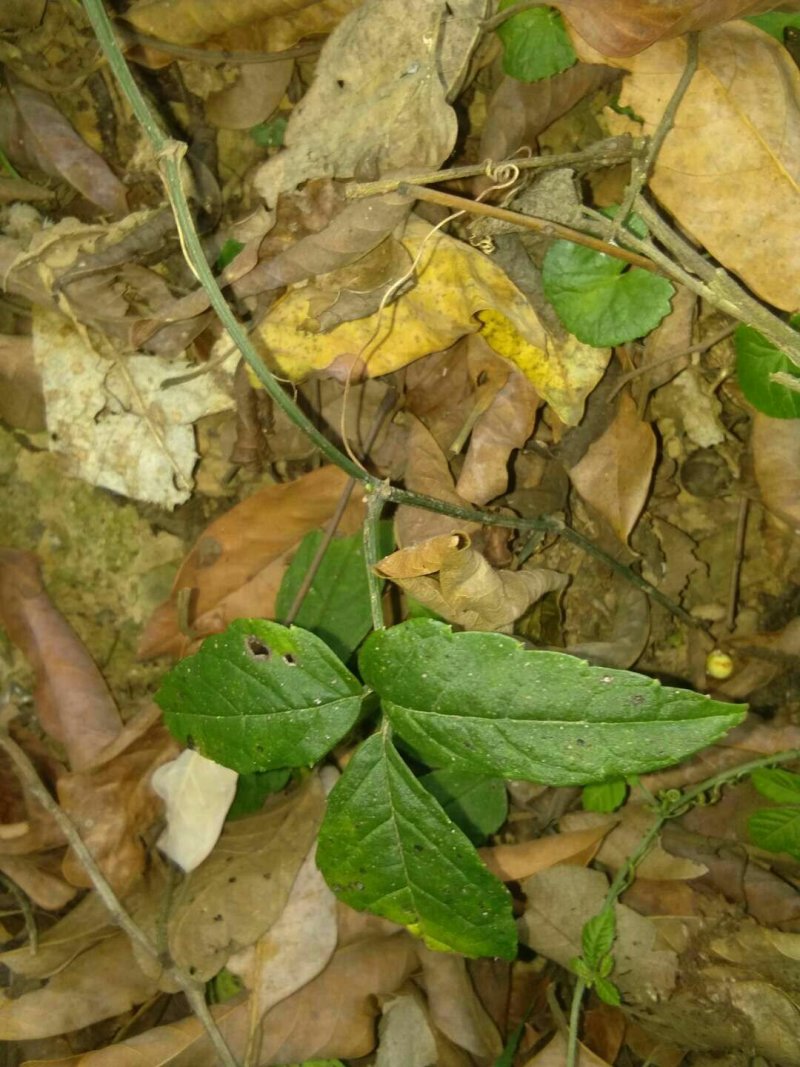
{"x": 719, "y": 665}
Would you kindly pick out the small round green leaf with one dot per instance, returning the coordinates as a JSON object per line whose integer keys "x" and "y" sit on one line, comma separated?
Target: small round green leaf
{"x": 483, "y": 702}
{"x": 776, "y": 829}
{"x": 387, "y": 847}
{"x": 756, "y": 360}
{"x": 600, "y": 299}
{"x": 261, "y": 697}
{"x": 605, "y": 796}
{"x": 535, "y": 44}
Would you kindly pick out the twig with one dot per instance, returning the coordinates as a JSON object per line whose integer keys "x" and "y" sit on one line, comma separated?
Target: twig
{"x": 670, "y": 809}
{"x": 207, "y": 55}
{"x": 527, "y": 222}
{"x": 642, "y": 167}
{"x": 736, "y": 565}
{"x": 191, "y": 989}
{"x": 607, "y": 153}
{"x": 679, "y": 353}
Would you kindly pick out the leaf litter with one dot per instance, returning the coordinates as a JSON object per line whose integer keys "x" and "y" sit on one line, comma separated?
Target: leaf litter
{"x": 117, "y": 375}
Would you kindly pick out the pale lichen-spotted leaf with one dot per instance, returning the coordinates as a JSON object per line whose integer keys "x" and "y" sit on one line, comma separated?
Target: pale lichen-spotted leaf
{"x": 387, "y": 847}
{"x": 483, "y": 701}
{"x": 261, "y": 696}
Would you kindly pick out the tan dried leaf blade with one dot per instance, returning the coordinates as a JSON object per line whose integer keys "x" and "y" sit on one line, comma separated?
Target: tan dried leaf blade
{"x": 194, "y": 21}
{"x": 624, "y": 27}
{"x": 614, "y": 475}
{"x": 448, "y": 576}
{"x": 729, "y": 169}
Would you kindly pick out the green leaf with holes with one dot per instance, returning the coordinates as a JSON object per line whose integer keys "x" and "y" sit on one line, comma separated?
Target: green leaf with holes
{"x": 756, "y": 361}
{"x": 483, "y": 702}
{"x": 260, "y": 697}
{"x": 535, "y": 43}
{"x": 387, "y": 847}
{"x": 601, "y": 300}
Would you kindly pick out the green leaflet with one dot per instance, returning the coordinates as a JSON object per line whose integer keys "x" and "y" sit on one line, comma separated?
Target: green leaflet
{"x": 535, "y": 44}
{"x": 601, "y": 300}
{"x": 756, "y": 360}
{"x": 482, "y": 702}
{"x": 386, "y": 846}
{"x": 477, "y": 804}
{"x": 336, "y": 606}
{"x": 261, "y": 697}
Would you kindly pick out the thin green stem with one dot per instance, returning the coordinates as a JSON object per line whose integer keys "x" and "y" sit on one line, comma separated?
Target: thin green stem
{"x": 670, "y": 810}
{"x": 376, "y": 499}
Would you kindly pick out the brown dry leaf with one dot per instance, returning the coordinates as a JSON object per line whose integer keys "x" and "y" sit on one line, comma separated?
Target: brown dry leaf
{"x": 454, "y": 1006}
{"x": 732, "y": 151}
{"x": 617, "y": 846}
{"x": 378, "y": 102}
{"x": 296, "y": 948}
{"x": 112, "y": 803}
{"x": 73, "y": 702}
{"x": 56, "y": 148}
{"x": 102, "y": 982}
{"x": 252, "y": 98}
{"x": 242, "y": 888}
{"x": 462, "y": 587}
{"x": 554, "y": 1054}
{"x": 281, "y": 31}
{"x": 622, "y": 29}
{"x": 45, "y": 888}
{"x": 615, "y": 473}
{"x": 776, "y": 450}
{"x": 511, "y": 863}
{"x": 85, "y": 925}
{"x": 405, "y": 1037}
{"x": 504, "y": 426}
{"x": 194, "y": 21}
{"x": 238, "y": 549}
{"x": 519, "y": 111}
{"x": 21, "y": 400}
{"x": 562, "y": 899}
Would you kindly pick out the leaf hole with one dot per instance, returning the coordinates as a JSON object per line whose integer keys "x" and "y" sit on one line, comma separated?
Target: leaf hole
{"x": 289, "y": 659}
{"x": 340, "y": 83}
{"x": 257, "y": 648}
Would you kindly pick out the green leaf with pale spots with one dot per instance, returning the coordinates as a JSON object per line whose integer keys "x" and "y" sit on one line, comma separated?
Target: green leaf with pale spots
{"x": 483, "y": 702}
{"x": 386, "y": 846}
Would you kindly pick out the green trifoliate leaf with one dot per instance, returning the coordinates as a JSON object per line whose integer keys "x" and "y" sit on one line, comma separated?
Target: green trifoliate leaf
{"x": 601, "y": 300}
{"x": 261, "y": 697}
{"x": 477, "y": 804}
{"x": 776, "y": 829}
{"x": 781, "y": 786}
{"x": 481, "y": 701}
{"x": 336, "y": 606}
{"x": 605, "y": 796}
{"x": 535, "y": 44}
{"x": 756, "y": 360}
{"x": 387, "y": 847}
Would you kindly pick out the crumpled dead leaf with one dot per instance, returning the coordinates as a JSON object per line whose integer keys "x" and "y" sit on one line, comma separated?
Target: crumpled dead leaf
{"x": 448, "y": 576}
{"x": 512, "y": 863}
{"x": 102, "y": 982}
{"x": 731, "y": 150}
{"x": 379, "y": 97}
{"x": 454, "y": 1006}
{"x": 235, "y": 568}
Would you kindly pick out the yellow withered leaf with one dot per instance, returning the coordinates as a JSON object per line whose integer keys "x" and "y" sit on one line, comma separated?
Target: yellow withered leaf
{"x": 459, "y": 291}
